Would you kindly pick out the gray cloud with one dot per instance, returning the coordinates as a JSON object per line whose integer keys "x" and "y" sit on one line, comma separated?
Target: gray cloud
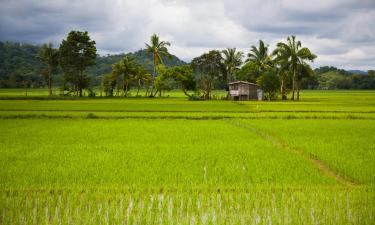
{"x": 340, "y": 32}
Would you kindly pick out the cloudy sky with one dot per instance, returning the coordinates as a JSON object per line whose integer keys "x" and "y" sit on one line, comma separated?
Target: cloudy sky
{"x": 340, "y": 32}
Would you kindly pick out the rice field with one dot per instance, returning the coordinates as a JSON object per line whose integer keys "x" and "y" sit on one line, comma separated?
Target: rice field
{"x": 173, "y": 161}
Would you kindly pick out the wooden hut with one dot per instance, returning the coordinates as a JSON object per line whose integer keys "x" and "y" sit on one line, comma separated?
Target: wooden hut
{"x": 242, "y": 90}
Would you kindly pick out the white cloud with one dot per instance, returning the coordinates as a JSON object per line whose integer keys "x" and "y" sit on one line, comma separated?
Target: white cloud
{"x": 340, "y": 32}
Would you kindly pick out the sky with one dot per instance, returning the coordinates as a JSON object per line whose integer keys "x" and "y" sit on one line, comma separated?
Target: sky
{"x": 340, "y": 32}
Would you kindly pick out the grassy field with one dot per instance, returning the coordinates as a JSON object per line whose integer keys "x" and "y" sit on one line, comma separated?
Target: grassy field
{"x": 173, "y": 161}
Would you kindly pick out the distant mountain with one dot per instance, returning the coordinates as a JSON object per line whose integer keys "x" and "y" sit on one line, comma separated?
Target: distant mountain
{"x": 358, "y": 72}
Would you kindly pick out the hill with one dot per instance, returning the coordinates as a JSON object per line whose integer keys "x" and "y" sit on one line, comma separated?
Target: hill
{"x": 328, "y": 77}
{"x": 103, "y": 63}
{"x": 19, "y": 61}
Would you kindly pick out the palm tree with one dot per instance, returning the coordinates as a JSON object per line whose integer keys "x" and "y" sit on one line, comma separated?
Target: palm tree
{"x": 232, "y": 60}
{"x": 49, "y": 56}
{"x": 126, "y": 68}
{"x": 259, "y": 56}
{"x": 141, "y": 77}
{"x": 293, "y": 55}
{"x": 129, "y": 70}
{"x": 158, "y": 49}
{"x": 282, "y": 71}
{"x": 115, "y": 76}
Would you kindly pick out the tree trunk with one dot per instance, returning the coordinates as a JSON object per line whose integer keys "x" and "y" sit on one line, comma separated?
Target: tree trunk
{"x": 298, "y": 88}
{"x": 125, "y": 89}
{"x": 153, "y": 78}
{"x": 25, "y": 89}
{"x": 49, "y": 82}
{"x": 294, "y": 84}
{"x": 282, "y": 89}
{"x": 185, "y": 92}
{"x": 80, "y": 92}
{"x": 138, "y": 87}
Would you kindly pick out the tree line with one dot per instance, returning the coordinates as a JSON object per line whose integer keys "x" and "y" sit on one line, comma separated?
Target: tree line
{"x": 280, "y": 72}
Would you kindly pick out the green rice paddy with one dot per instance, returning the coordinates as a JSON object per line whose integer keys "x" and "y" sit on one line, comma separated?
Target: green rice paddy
{"x": 172, "y": 161}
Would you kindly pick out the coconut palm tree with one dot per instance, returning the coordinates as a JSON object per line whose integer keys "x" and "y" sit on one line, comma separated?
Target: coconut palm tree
{"x": 259, "y": 56}
{"x": 158, "y": 49}
{"x": 115, "y": 76}
{"x": 232, "y": 60}
{"x": 293, "y": 55}
{"x": 125, "y": 70}
{"x": 129, "y": 69}
{"x": 282, "y": 67}
{"x": 141, "y": 77}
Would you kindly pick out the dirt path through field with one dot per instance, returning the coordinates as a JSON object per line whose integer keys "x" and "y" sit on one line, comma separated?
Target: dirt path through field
{"x": 324, "y": 168}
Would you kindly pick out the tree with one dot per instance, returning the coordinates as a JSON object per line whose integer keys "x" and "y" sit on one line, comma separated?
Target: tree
{"x": 127, "y": 68}
{"x": 248, "y": 72}
{"x": 232, "y": 59}
{"x": 142, "y": 77}
{"x": 292, "y": 54}
{"x": 210, "y": 67}
{"x": 259, "y": 56}
{"x": 50, "y": 57}
{"x": 184, "y": 77}
{"x": 282, "y": 67}
{"x": 158, "y": 49}
{"x": 304, "y": 71}
{"x": 269, "y": 82}
{"x": 77, "y": 53}
{"x": 163, "y": 82}
{"x": 108, "y": 83}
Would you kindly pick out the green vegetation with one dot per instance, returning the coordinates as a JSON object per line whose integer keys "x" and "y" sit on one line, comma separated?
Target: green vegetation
{"x": 169, "y": 160}
{"x": 20, "y": 62}
{"x": 75, "y": 67}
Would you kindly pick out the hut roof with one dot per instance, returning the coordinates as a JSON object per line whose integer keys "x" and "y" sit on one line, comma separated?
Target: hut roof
{"x": 242, "y": 82}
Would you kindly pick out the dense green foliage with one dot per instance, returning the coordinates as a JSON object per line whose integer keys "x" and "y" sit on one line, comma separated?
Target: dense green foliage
{"x": 333, "y": 78}
{"x": 21, "y": 66}
{"x": 20, "y": 62}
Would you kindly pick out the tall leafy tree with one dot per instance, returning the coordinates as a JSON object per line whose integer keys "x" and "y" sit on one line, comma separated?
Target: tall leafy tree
{"x": 184, "y": 77}
{"x": 292, "y": 54}
{"x": 232, "y": 59}
{"x": 248, "y": 72}
{"x": 269, "y": 83}
{"x": 158, "y": 49}
{"x": 210, "y": 67}
{"x": 77, "y": 53}
{"x": 50, "y": 56}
